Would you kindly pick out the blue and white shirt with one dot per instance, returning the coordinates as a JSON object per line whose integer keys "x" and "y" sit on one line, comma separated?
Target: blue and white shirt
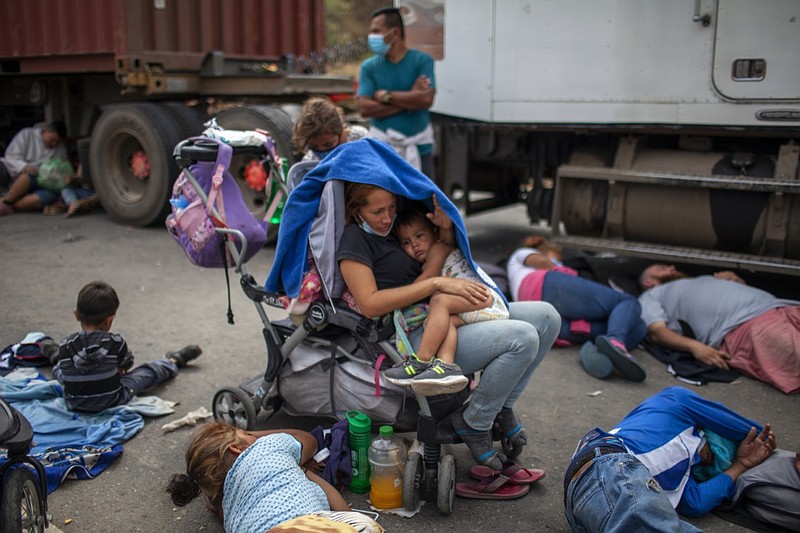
{"x": 665, "y": 433}
{"x": 266, "y": 486}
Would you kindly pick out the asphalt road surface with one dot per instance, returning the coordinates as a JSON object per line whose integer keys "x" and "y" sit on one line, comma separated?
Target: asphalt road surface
{"x": 167, "y": 303}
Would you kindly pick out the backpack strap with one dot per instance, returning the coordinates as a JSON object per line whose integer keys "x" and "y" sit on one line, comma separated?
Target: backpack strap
{"x": 214, "y": 206}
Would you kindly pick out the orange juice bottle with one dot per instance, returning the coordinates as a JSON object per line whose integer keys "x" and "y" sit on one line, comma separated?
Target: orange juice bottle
{"x": 387, "y": 459}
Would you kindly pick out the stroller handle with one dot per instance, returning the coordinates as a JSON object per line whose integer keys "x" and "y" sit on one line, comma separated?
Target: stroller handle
{"x": 188, "y": 151}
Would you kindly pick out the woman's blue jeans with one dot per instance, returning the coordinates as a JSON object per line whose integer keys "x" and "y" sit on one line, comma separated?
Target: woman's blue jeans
{"x": 507, "y": 351}
{"x": 618, "y": 494}
{"x": 608, "y": 312}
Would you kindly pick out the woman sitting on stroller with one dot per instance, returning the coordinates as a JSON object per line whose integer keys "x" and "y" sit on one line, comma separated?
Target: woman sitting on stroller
{"x": 381, "y": 278}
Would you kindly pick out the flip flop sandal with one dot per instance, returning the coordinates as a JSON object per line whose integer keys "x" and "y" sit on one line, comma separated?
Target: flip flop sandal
{"x": 495, "y": 487}
{"x": 54, "y": 209}
{"x": 516, "y": 474}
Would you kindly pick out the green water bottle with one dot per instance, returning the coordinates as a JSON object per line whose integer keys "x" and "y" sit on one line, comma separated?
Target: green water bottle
{"x": 360, "y": 437}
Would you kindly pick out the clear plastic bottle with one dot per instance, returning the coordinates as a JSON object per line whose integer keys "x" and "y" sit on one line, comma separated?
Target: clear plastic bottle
{"x": 387, "y": 459}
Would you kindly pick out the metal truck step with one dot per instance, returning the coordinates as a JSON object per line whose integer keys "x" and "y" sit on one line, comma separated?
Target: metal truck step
{"x": 663, "y": 253}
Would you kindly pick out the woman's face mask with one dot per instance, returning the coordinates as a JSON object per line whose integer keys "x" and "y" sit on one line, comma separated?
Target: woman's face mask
{"x": 367, "y": 228}
{"x": 377, "y": 44}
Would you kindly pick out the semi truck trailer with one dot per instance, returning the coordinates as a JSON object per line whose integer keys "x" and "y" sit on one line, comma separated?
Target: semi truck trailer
{"x": 665, "y": 130}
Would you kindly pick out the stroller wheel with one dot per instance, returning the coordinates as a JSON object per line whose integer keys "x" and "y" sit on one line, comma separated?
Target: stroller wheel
{"x": 234, "y": 406}
{"x": 22, "y": 506}
{"x": 446, "y": 485}
{"x": 412, "y": 481}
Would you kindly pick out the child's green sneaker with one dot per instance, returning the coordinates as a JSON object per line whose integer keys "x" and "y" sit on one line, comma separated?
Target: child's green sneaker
{"x": 405, "y": 371}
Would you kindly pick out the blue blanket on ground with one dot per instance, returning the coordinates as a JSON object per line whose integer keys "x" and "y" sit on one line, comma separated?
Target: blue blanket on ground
{"x": 364, "y": 161}
{"x": 78, "y": 445}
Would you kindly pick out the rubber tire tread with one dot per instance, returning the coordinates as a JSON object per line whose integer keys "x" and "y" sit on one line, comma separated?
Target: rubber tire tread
{"x": 17, "y": 480}
{"x": 158, "y": 133}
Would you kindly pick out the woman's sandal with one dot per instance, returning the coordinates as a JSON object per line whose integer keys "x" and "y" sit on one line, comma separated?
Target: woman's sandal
{"x": 495, "y": 487}
{"x": 517, "y": 475}
{"x": 56, "y": 208}
{"x": 84, "y": 205}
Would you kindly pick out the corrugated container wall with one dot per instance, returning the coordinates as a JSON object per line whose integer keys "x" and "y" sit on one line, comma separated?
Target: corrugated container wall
{"x": 91, "y": 35}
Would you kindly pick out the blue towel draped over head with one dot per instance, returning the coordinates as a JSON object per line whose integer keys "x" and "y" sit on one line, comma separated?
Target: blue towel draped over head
{"x": 365, "y": 161}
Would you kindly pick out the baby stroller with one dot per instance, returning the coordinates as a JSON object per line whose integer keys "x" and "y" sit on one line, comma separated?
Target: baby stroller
{"x": 23, "y": 485}
{"x": 341, "y": 339}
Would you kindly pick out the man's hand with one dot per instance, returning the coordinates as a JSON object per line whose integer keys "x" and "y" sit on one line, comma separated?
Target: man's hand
{"x": 710, "y": 356}
{"x": 422, "y": 83}
{"x": 730, "y": 276}
{"x": 754, "y": 450}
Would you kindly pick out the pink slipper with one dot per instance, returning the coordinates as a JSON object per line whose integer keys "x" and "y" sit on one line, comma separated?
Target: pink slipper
{"x": 494, "y": 487}
{"x": 516, "y": 474}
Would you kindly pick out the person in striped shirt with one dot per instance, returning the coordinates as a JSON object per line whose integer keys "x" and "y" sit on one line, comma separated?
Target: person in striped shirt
{"x": 94, "y": 365}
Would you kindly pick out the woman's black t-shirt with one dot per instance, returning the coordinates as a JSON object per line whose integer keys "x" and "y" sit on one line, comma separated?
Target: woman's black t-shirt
{"x": 390, "y": 265}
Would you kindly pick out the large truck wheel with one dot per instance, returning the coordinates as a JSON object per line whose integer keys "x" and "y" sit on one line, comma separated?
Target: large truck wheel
{"x": 189, "y": 119}
{"x": 131, "y": 161}
{"x": 279, "y": 125}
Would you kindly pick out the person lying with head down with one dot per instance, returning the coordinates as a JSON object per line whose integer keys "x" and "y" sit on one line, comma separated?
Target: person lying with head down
{"x": 607, "y": 322}
{"x": 256, "y": 480}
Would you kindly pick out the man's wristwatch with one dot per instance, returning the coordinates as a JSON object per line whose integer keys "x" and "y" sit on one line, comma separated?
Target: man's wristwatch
{"x": 386, "y": 98}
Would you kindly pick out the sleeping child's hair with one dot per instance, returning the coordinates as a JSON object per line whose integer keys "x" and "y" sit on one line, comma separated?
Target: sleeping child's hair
{"x": 413, "y": 212}
{"x": 207, "y": 464}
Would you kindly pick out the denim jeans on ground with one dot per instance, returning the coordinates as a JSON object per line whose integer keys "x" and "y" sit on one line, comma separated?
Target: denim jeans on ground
{"x": 508, "y": 352}
{"x": 577, "y": 298}
{"x": 147, "y": 376}
{"x": 618, "y": 494}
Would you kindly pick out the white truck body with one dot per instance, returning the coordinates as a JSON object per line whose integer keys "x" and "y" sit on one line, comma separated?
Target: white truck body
{"x": 618, "y": 61}
{"x": 637, "y": 126}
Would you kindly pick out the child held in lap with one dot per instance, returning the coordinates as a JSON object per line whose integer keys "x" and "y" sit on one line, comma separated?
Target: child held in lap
{"x": 432, "y": 370}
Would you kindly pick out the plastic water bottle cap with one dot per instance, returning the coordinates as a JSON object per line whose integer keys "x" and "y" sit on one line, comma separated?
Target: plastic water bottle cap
{"x": 386, "y": 431}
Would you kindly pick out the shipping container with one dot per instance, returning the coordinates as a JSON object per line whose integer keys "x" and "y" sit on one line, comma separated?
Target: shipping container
{"x": 131, "y": 78}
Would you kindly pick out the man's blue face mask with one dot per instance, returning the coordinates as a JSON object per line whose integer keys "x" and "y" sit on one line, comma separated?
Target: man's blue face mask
{"x": 377, "y": 44}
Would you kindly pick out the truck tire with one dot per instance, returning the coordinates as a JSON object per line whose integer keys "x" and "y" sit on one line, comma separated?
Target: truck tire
{"x": 131, "y": 160}
{"x": 279, "y": 125}
{"x": 189, "y": 119}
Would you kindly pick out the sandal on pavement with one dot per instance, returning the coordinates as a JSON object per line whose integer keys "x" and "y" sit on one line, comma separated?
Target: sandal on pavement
{"x": 56, "y": 208}
{"x": 517, "y": 475}
{"x": 495, "y": 487}
{"x": 84, "y": 205}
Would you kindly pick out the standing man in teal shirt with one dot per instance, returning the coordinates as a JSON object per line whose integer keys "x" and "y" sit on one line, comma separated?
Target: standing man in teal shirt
{"x": 396, "y": 87}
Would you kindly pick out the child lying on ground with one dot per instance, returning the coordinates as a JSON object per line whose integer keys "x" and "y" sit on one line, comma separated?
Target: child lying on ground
{"x": 255, "y": 480}
{"x": 432, "y": 370}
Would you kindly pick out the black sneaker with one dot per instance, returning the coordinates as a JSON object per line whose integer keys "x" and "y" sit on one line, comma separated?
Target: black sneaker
{"x": 184, "y": 355}
{"x": 439, "y": 378}
{"x": 405, "y": 371}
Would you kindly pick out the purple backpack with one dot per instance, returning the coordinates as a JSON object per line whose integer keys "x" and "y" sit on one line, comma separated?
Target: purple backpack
{"x": 195, "y": 216}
